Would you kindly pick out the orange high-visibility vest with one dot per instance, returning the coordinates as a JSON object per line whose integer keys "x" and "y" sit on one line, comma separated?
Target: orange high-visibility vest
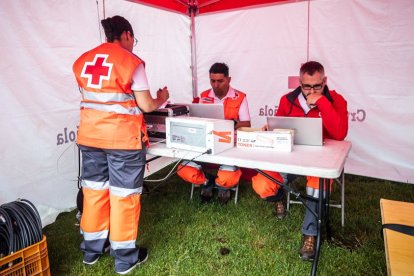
{"x": 110, "y": 117}
{"x": 231, "y": 105}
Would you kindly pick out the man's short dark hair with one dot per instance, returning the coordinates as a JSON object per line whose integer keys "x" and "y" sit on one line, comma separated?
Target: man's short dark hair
{"x": 219, "y": 68}
{"x": 311, "y": 67}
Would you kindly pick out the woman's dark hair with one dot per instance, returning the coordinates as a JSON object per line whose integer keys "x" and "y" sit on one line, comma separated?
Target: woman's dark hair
{"x": 115, "y": 26}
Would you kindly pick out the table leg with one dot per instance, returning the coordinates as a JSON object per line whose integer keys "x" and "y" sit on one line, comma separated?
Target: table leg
{"x": 319, "y": 227}
{"x": 327, "y": 224}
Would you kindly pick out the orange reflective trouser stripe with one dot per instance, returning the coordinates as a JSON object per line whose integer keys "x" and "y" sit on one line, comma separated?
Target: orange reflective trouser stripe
{"x": 95, "y": 216}
{"x": 124, "y": 216}
{"x": 228, "y": 179}
{"x": 191, "y": 174}
{"x": 263, "y": 186}
{"x": 313, "y": 182}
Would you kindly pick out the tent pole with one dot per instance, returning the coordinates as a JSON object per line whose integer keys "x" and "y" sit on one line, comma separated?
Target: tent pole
{"x": 192, "y": 9}
{"x": 308, "y": 34}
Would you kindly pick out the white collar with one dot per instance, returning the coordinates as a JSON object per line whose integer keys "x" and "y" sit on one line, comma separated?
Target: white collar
{"x": 303, "y": 103}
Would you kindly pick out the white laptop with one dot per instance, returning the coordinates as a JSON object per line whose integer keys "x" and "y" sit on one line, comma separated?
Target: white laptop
{"x": 308, "y": 131}
{"x": 212, "y": 111}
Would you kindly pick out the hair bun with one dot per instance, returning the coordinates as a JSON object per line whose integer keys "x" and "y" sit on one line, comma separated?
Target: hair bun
{"x": 115, "y": 26}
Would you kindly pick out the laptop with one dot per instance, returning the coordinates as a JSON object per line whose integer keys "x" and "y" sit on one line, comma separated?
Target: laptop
{"x": 308, "y": 131}
{"x": 211, "y": 111}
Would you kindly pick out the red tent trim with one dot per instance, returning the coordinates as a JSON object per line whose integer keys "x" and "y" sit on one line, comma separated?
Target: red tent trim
{"x": 209, "y": 6}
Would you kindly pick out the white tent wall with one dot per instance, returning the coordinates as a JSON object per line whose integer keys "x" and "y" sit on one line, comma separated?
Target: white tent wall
{"x": 163, "y": 43}
{"x": 40, "y": 101}
{"x": 261, "y": 46}
{"x": 40, "y": 40}
{"x": 367, "y": 48}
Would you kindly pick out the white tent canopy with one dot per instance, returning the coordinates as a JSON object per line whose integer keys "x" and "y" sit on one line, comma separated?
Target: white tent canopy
{"x": 367, "y": 48}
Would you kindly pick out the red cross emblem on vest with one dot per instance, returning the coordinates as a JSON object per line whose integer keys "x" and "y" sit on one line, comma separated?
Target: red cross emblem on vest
{"x": 97, "y": 71}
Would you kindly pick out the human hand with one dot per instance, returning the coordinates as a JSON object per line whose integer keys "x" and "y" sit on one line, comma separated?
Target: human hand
{"x": 163, "y": 94}
{"x": 265, "y": 127}
{"x": 312, "y": 98}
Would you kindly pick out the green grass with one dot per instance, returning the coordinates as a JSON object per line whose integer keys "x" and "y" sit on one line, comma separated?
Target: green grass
{"x": 188, "y": 238}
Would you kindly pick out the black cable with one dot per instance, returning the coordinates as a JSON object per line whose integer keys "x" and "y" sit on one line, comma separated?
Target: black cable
{"x": 20, "y": 226}
{"x": 176, "y": 171}
{"x": 36, "y": 216}
{"x": 32, "y": 222}
{"x": 6, "y": 233}
{"x": 20, "y": 233}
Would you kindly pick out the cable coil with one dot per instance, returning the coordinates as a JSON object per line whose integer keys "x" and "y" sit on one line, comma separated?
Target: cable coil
{"x": 20, "y": 226}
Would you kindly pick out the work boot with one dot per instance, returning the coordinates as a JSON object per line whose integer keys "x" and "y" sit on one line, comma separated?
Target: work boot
{"x": 307, "y": 252}
{"x": 206, "y": 193}
{"x": 91, "y": 259}
{"x": 125, "y": 269}
{"x": 279, "y": 206}
{"x": 280, "y": 209}
{"x": 224, "y": 196}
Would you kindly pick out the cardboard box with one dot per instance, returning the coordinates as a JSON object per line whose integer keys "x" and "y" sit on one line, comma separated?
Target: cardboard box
{"x": 255, "y": 138}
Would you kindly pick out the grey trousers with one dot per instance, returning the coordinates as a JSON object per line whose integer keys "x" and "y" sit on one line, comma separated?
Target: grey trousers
{"x": 310, "y": 223}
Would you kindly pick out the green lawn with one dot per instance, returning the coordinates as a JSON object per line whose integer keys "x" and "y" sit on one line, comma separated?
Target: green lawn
{"x": 189, "y": 238}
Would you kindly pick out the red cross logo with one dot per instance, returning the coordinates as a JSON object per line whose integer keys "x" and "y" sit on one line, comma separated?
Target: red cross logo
{"x": 97, "y": 71}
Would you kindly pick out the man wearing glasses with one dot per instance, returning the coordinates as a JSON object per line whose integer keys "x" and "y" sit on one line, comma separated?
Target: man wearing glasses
{"x": 311, "y": 99}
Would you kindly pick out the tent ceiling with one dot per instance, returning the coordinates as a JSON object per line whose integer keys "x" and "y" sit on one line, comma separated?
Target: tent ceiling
{"x": 206, "y": 6}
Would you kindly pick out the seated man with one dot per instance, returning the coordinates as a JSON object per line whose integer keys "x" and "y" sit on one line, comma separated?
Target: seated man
{"x": 236, "y": 109}
{"x": 311, "y": 99}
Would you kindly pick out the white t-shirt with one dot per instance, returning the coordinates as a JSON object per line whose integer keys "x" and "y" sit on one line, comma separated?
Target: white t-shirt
{"x": 139, "y": 79}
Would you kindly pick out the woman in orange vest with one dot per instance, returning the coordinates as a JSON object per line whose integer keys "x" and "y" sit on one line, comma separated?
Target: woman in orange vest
{"x": 112, "y": 138}
{"x": 236, "y": 109}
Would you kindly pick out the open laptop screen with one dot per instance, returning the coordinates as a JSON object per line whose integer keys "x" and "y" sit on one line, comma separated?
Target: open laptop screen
{"x": 212, "y": 111}
{"x": 308, "y": 131}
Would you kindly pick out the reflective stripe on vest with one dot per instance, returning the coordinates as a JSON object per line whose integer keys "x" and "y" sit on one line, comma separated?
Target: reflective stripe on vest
{"x": 115, "y": 108}
{"x": 122, "y": 192}
{"x": 90, "y": 236}
{"x": 105, "y": 97}
{"x": 119, "y": 103}
{"x": 95, "y": 185}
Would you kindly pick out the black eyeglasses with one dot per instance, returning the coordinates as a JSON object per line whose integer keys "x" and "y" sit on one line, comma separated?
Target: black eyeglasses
{"x": 314, "y": 87}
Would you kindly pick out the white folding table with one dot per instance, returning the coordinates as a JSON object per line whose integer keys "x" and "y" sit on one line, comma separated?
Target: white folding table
{"x": 325, "y": 162}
